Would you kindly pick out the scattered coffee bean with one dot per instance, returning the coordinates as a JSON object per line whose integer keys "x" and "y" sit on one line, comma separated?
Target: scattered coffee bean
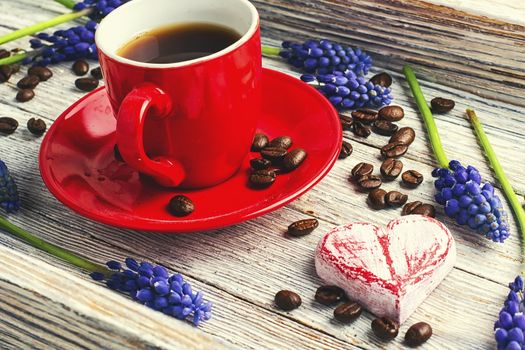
{"x": 394, "y": 150}
{"x": 396, "y": 198}
{"x": 97, "y": 73}
{"x": 419, "y": 208}
{"x": 262, "y": 178}
{"x": 369, "y": 182}
{"x": 410, "y": 207}
{"x": 281, "y": 142}
{"x": 8, "y": 125}
{"x": 25, "y": 95}
{"x": 80, "y": 67}
{"x": 412, "y": 178}
{"x": 293, "y": 159}
{"x": 391, "y": 168}
{"x": 5, "y": 73}
{"x": 346, "y": 122}
{"x": 383, "y": 79}
{"x": 15, "y": 68}
{"x": 348, "y": 312}
{"x": 384, "y": 328}
{"x": 365, "y": 116}
{"x": 116, "y": 154}
{"x": 287, "y": 300}
{"x": 442, "y": 105}
{"x": 86, "y": 84}
{"x": 404, "y": 135}
{"x": 391, "y": 113}
{"x": 362, "y": 169}
{"x": 274, "y": 154}
{"x": 377, "y": 198}
{"x": 28, "y": 82}
{"x": 4, "y": 53}
{"x": 181, "y": 206}
{"x": 260, "y": 163}
{"x": 360, "y": 129}
{"x": 302, "y": 227}
{"x": 346, "y": 150}
{"x": 43, "y": 73}
{"x": 385, "y": 128}
{"x": 259, "y": 142}
{"x": 36, "y": 126}
{"x": 329, "y": 295}
{"x": 418, "y": 333}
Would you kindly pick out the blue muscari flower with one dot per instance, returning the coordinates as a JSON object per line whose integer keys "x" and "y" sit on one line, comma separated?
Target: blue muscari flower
{"x": 9, "y": 199}
{"x": 510, "y": 326}
{"x": 153, "y": 286}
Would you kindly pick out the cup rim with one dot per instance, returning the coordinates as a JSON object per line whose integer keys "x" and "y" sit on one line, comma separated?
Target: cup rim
{"x": 240, "y": 42}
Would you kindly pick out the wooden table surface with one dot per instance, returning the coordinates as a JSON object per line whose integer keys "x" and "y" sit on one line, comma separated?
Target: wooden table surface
{"x": 477, "y": 61}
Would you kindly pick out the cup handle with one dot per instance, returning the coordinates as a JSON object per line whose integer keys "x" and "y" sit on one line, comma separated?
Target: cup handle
{"x": 145, "y": 100}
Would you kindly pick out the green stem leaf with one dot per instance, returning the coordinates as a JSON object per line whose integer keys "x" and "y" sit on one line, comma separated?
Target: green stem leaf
{"x": 13, "y": 59}
{"x": 430, "y": 124}
{"x": 270, "y": 51}
{"x": 67, "y": 3}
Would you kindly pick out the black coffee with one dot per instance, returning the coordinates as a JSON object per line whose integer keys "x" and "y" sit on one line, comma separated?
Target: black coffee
{"x": 180, "y": 42}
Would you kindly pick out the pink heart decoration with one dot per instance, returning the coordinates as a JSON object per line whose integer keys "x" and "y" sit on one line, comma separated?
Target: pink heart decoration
{"x": 389, "y": 271}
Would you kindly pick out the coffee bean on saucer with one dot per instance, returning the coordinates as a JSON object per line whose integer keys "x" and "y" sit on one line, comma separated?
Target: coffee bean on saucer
{"x": 259, "y": 142}
{"x": 377, "y": 198}
{"x": 97, "y": 73}
{"x": 36, "y": 126}
{"x": 329, "y": 295}
{"x": 302, "y": 227}
{"x": 287, "y": 300}
{"x": 385, "y": 128}
{"x": 8, "y": 125}
{"x": 391, "y": 113}
{"x": 348, "y": 312}
{"x": 412, "y": 178}
{"x": 262, "y": 178}
{"x": 369, "y": 182}
{"x": 180, "y": 206}
{"x": 362, "y": 169}
{"x": 394, "y": 150}
{"x": 274, "y": 154}
{"x": 365, "y": 116}
{"x": 80, "y": 67}
{"x": 418, "y": 333}
{"x": 346, "y": 150}
{"x": 116, "y": 154}
{"x": 383, "y": 79}
{"x": 25, "y": 95}
{"x": 384, "y": 328}
{"x": 5, "y": 73}
{"x": 419, "y": 208}
{"x": 281, "y": 142}
{"x": 293, "y": 159}
{"x": 391, "y": 168}
{"x": 396, "y": 198}
{"x": 4, "y": 53}
{"x": 404, "y": 135}
{"x": 360, "y": 129}
{"x": 442, "y": 105}
{"x": 260, "y": 163}
{"x": 43, "y": 73}
{"x": 86, "y": 84}
{"x": 346, "y": 122}
{"x": 28, "y": 82}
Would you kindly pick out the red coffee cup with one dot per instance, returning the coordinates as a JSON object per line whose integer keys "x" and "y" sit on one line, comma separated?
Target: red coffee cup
{"x": 191, "y": 123}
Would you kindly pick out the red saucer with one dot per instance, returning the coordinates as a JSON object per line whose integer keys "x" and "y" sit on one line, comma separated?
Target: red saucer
{"x": 79, "y": 168}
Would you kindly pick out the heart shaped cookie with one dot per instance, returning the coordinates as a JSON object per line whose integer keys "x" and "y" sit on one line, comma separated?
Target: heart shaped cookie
{"x": 391, "y": 270}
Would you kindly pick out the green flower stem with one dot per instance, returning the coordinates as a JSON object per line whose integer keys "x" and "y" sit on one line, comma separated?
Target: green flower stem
{"x": 35, "y": 28}
{"x": 67, "y": 3}
{"x": 432, "y": 130}
{"x": 50, "y": 248}
{"x": 515, "y": 204}
{"x": 270, "y": 51}
{"x": 13, "y": 59}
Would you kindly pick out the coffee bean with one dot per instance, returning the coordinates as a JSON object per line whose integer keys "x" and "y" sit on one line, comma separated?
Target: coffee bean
{"x": 260, "y": 163}
{"x": 410, "y": 207}
{"x": 281, "y": 142}
{"x": 25, "y": 95}
{"x": 302, "y": 227}
{"x": 346, "y": 122}
{"x": 391, "y": 168}
{"x": 385, "y": 128}
{"x": 384, "y": 328}
{"x": 275, "y": 154}
{"x": 396, "y": 198}
{"x": 369, "y": 182}
{"x": 97, "y": 73}
{"x": 346, "y": 150}
{"x": 80, "y": 67}
{"x": 86, "y": 84}
{"x": 362, "y": 169}
{"x": 419, "y": 208}
{"x": 259, "y": 142}
{"x": 116, "y": 154}
{"x": 28, "y": 82}
{"x": 442, "y": 105}
{"x": 360, "y": 129}
{"x": 383, "y": 79}
{"x": 36, "y": 126}
{"x": 394, "y": 150}
{"x": 348, "y": 312}
{"x": 377, "y": 199}
{"x": 329, "y": 295}
{"x": 15, "y": 68}
{"x": 404, "y": 135}
{"x": 262, "y": 178}
{"x": 43, "y": 73}
{"x": 8, "y": 125}
{"x": 4, "y": 53}
{"x": 293, "y": 159}
{"x": 181, "y": 206}
{"x": 365, "y": 116}
{"x": 287, "y": 300}
{"x": 418, "y": 333}
{"x": 5, "y": 73}
{"x": 412, "y": 178}
{"x": 391, "y": 113}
